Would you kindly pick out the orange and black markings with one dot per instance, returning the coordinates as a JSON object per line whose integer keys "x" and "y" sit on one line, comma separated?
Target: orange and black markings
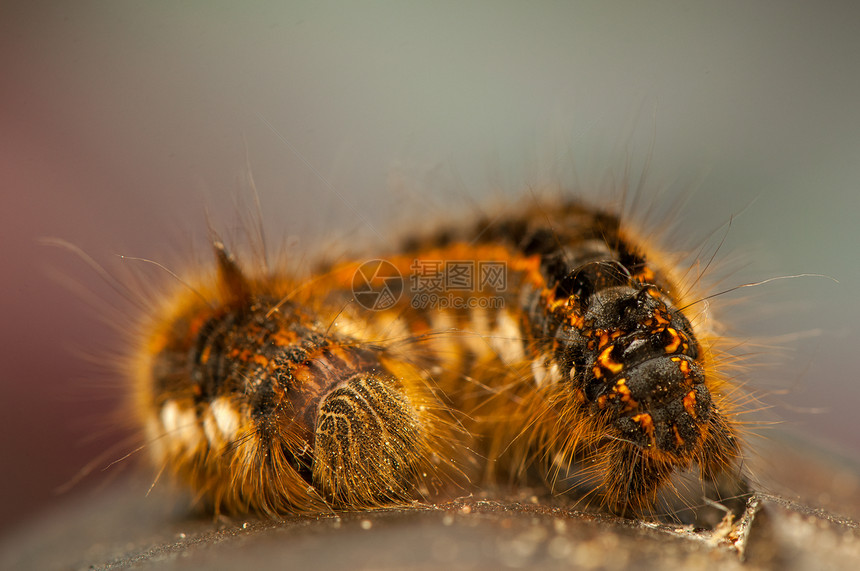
{"x": 589, "y": 372}
{"x": 554, "y": 348}
{"x": 261, "y": 399}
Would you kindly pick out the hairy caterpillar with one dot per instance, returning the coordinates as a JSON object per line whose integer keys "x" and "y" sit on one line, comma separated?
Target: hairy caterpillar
{"x": 589, "y": 364}
{"x": 583, "y": 364}
{"x": 261, "y": 398}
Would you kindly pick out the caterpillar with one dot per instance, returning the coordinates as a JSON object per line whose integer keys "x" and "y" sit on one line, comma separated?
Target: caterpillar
{"x": 548, "y": 344}
{"x": 260, "y": 398}
{"x": 585, "y": 362}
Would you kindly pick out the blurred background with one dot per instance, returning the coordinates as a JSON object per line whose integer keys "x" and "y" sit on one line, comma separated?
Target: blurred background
{"x": 122, "y": 124}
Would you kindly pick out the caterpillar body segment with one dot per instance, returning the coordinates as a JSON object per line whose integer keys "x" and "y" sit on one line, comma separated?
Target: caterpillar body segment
{"x": 260, "y": 398}
{"x": 590, "y": 367}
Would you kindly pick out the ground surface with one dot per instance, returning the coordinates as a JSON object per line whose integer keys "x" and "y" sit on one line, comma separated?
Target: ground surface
{"x": 121, "y": 527}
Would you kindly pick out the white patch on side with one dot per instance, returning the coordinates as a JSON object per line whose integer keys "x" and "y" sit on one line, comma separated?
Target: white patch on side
{"x": 347, "y": 326}
{"x": 181, "y": 425}
{"x": 210, "y": 429}
{"x": 538, "y": 372}
{"x": 479, "y": 328}
{"x": 545, "y": 371}
{"x": 170, "y": 417}
{"x": 226, "y": 417}
{"x": 506, "y": 339}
